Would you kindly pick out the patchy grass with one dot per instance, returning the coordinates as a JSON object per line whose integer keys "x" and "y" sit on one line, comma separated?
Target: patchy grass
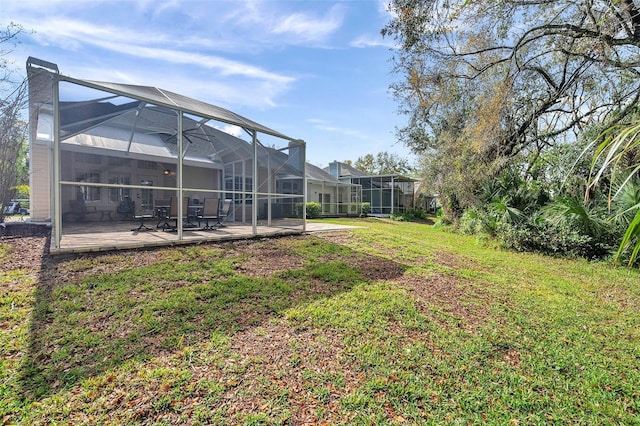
{"x": 390, "y": 323}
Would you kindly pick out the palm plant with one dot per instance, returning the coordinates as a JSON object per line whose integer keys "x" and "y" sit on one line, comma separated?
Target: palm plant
{"x": 577, "y": 214}
{"x": 617, "y": 154}
{"x": 505, "y": 211}
{"x": 627, "y": 201}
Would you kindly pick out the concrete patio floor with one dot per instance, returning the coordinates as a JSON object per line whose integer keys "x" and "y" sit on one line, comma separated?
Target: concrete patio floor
{"x": 117, "y": 235}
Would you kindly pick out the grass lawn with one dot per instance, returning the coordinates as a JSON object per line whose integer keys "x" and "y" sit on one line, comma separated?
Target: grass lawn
{"x": 390, "y": 323}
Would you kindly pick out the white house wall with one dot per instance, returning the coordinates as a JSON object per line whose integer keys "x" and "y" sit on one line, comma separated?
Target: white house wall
{"x": 40, "y": 181}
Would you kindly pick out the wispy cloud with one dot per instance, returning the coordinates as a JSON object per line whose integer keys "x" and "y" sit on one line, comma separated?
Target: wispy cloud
{"x": 371, "y": 41}
{"x": 65, "y": 30}
{"x": 306, "y": 27}
{"x": 75, "y": 35}
{"x": 320, "y": 124}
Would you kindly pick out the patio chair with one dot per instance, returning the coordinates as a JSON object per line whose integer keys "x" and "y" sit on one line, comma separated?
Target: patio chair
{"x": 161, "y": 210}
{"x": 141, "y": 217}
{"x": 173, "y": 213}
{"x": 126, "y": 208}
{"x": 79, "y": 210}
{"x": 210, "y": 212}
{"x": 224, "y": 212}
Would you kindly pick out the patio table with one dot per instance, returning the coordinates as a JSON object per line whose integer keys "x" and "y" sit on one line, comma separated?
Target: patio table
{"x": 141, "y": 218}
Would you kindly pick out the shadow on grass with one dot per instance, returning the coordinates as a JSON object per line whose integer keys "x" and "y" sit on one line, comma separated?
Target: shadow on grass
{"x": 95, "y": 312}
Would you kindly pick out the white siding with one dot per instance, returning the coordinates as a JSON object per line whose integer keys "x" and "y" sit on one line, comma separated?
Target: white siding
{"x": 40, "y": 181}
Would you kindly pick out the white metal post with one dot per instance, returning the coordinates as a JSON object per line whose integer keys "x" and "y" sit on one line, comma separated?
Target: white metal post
{"x": 304, "y": 185}
{"x": 57, "y": 192}
{"x": 179, "y": 177}
{"x": 254, "y": 193}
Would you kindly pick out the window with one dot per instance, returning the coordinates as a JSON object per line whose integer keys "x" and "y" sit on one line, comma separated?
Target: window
{"x": 146, "y": 195}
{"x": 119, "y": 162}
{"x": 88, "y": 193}
{"x": 284, "y": 186}
{"x": 118, "y": 194}
{"x": 83, "y": 157}
{"x": 147, "y": 165}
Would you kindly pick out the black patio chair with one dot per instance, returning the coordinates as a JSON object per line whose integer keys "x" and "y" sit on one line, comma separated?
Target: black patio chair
{"x": 126, "y": 208}
{"x": 172, "y": 215}
{"x": 224, "y": 212}
{"x": 210, "y": 212}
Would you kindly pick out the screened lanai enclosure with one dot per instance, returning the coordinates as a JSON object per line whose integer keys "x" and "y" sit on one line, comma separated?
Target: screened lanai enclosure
{"x": 117, "y": 165}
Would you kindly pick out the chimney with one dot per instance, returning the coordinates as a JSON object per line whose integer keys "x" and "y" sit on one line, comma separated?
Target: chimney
{"x": 335, "y": 169}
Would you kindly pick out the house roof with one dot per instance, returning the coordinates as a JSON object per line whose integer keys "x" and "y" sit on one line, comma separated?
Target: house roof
{"x": 318, "y": 174}
{"x": 349, "y": 171}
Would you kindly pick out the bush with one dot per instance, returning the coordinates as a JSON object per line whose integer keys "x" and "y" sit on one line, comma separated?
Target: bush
{"x": 471, "y": 222}
{"x": 552, "y": 240}
{"x": 314, "y": 210}
{"x": 366, "y": 208}
{"x": 411, "y": 215}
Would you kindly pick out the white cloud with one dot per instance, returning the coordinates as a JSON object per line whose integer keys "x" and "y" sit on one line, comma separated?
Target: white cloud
{"x": 320, "y": 124}
{"x": 310, "y": 28}
{"x": 232, "y": 130}
{"x": 64, "y": 30}
{"x": 73, "y": 35}
{"x": 370, "y": 41}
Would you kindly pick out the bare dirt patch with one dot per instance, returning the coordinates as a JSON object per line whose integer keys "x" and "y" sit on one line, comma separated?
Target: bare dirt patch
{"x": 25, "y": 253}
{"x": 336, "y": 237}
{"x": 264, "y": 260}
{"x": 305, "y": 367}
{"x": 450, "y": 293}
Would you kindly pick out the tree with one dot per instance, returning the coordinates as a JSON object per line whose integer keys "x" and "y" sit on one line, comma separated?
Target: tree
{"x": 384, "y": 163}
{"x": 511, "y": 78}
{"x": 12, "y": 128}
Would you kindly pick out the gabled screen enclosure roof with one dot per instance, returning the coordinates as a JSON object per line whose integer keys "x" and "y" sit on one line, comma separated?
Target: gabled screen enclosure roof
{"x": 188, "y": 105}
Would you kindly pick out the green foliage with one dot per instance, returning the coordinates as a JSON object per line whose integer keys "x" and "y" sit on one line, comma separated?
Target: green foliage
{"x": 556, "y": 240}
{"x": 575, "y": 214}
{"x": 472, "y": 222}
{"x": 411, "y": 215}
{"x": 476, "y": 94}
{"x": 13, "y": 146}
{"x": 366, "y": 208}
{"x": 22, "y": 191}
{"x": 519, "y": 214}
{"x": 383, "y": 163}
{"x": 313, "y": 209}
{"x": 617, "y": 155}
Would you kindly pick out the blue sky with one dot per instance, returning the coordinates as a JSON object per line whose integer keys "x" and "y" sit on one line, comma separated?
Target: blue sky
{"x": 314, "y": 70}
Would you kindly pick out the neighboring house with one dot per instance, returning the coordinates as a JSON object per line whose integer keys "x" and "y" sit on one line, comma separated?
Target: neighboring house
{"x": 386, "y": 194}
{"x": 425, "y": 198}
{"x": 102, "y": 152}
{"x": 336, "y": 197}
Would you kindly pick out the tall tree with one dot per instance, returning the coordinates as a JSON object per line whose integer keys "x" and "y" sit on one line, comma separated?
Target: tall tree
{"x": 510, "y": 78}
{"x": 12, "y": 128}
{"x": 383, "y": 163}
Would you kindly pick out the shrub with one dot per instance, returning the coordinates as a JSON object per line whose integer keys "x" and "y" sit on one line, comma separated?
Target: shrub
{"x": 411, "y": 215}
{"x": 471, "y": 222}
{"x": 314, "y": 210}
{"x": 366, "y": 208}
{"x": 553, "y": 240}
